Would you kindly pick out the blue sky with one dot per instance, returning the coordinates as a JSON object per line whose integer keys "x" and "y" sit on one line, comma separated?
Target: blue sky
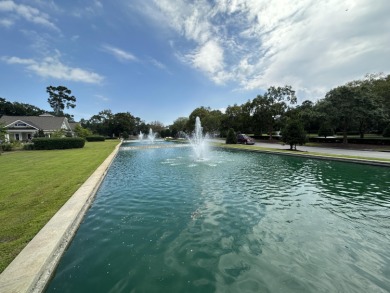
{"x": 161, "y": 59}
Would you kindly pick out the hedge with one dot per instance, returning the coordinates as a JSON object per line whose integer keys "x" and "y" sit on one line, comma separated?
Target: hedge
{"x": 95, "y": 138}
{"x": 42, "y": 143}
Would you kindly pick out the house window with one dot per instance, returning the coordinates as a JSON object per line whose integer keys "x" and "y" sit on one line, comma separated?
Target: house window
{"x": 17, "y": 136}
{"x": 19, "y": 124}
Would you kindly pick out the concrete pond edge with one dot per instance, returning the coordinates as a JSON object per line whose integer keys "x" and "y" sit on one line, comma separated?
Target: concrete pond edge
{"x": 33, "y": 267}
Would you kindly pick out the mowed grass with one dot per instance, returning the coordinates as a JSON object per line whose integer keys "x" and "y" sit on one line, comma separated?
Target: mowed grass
{"x": 35, "y": 184}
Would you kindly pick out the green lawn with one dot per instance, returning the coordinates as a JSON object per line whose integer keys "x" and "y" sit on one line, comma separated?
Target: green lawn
{"x": 35, "y": 184}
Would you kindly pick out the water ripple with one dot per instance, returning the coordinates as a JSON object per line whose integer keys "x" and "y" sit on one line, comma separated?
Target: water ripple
{"x": 236, "y": 222}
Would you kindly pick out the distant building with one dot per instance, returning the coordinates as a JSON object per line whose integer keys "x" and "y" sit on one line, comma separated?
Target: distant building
{"x": 23, "y": 128}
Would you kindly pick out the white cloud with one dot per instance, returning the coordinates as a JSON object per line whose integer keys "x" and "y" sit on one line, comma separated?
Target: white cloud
{"x": 52, "y": 67}
{"x": 209, "y": 59}
{"x": 120, "y": 54}
{"x": 96, "y": 8}
{"x": 6, "y": 22}
{"x": 26, "y": 12}
{"x": 157, "y": 64}
{"x": 311, "y": 45}
{"x": 102, "y": 98}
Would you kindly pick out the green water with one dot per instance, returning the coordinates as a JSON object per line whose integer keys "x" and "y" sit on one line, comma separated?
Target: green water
{"x": 238, "y": 222}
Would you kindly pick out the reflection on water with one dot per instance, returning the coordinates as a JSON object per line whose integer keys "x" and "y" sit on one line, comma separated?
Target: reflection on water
{"x": 239, "y": 222}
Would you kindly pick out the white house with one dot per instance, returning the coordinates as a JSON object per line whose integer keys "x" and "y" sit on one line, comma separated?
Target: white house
{"x": 23, "y": 128}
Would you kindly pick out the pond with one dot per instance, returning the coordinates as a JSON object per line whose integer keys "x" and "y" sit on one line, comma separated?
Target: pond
{"x": 163, "y": 221}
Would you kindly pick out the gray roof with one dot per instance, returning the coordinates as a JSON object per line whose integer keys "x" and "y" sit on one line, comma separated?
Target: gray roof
{"x": 39, "y": 122}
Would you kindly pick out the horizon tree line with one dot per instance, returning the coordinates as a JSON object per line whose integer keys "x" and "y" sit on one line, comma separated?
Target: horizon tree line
{"x": 359, "y": 107}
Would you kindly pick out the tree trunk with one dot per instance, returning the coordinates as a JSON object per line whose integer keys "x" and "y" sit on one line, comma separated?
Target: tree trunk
{"x": 345, "y": 138}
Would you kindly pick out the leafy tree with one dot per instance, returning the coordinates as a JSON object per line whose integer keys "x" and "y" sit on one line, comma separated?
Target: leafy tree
{"x": 325, "y": 130}
{"x": 179, "y": 125}
{"x": 231, "y": 137}
{"x": 58, "y": 133}
{"x": 81, "y": 131}
{"x": 306, "y": 112}
{"x": 269, "y": 107}
{"x": 60, "y": 97}
{"x": 386, "y": 132}
{"x": 125, "y": 135}
{"x": 39, "y": 133}
{"x": 293, "y": 133}
{"x": 210, "y": 119}
{"x": 3, "y": 132}
{"x": 157, "y": 126}
{"x": 351, "y": 105}
{"x": 239, "y": 117}
{"x": 120, "y": 123}
{"x": 18, "y": 109}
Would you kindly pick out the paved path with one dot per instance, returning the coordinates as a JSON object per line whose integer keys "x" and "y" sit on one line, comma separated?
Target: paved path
{"x": 333, "y": 151}
{"x": 324, "y": 150}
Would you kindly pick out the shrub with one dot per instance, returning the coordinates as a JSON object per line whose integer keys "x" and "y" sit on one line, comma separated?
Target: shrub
{"x": 231, "y": 137}
{"x": 39, "y": 133}
{"x": 386, "y": 132}
{"x": 58, "y": 143}
{"x": 28, "y": 146}
{"x": 95, "y": 138}
{"x": 293, "y": 133}
{"x": 125, "y": 135}
{"x": 6, "y": 147}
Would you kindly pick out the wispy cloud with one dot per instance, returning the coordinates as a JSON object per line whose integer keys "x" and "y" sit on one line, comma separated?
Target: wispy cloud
{"x": 6, "y": 22}
{"x": 52, "y": 67}
{"x": 102, "y": 98}
{"x": 119, "y": 54}
{"x": 26, "y": 12}
{"x": 95, "y": 8}
{"x": 157, "y": 64}
{"x": 258, "y": 43}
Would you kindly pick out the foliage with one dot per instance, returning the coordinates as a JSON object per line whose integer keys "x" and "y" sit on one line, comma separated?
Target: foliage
{"x": 35, "y": 190}
{"x": 325, "y": 130}
{"x": 81, "y": 131}
{"x": 293, "y": 133}
{"x": 271, "y": 106}
{"x": 239, "y": 117}
{"x": 59, "y": 98}
{"x": 39, "y": 133}
{"x": 179, "y": 125}
{"x": 58, "y": 143}
{"x": 95, "y": 138}
{"x": 210, "y": 119}
{"x": 3, "y": 132}
{"x": 112, "y": 125}
{"x": 231, "y": 137}
{"x": 28, "y": 146}
{"x": 348, "y": 104}
{"x": 165, "y": 133}
{"x": 386, "y": 132}
{"x": 58, "y": 133}
{"x": 6, "y": 147}
{"x": 125, "y": 135}
{"x": 18, "y": 109}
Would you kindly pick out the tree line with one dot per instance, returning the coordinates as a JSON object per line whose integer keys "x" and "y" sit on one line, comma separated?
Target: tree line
{"x": 360, "y": 107}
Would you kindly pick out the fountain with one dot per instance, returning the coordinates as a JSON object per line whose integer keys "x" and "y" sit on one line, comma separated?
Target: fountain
{"x": 151, "y": 136}
{"x": 140, "y": 135}
{"x": 198, "y": 141}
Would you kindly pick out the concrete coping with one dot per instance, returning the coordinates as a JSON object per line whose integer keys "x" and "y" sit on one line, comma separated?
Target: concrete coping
{"x": 34, "y": 265}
